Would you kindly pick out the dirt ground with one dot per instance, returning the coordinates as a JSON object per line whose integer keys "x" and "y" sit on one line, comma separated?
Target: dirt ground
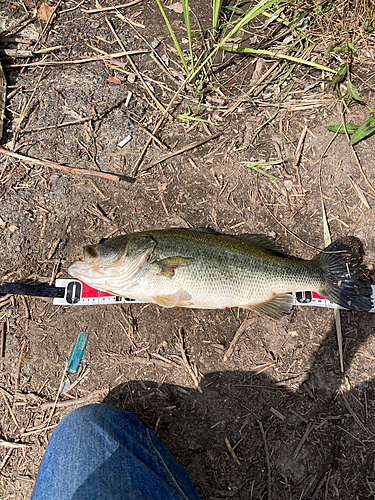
{"x": 283, "y": 378}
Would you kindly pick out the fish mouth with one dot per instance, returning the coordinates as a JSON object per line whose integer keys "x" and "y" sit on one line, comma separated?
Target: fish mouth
{"x": 73, "y": 271}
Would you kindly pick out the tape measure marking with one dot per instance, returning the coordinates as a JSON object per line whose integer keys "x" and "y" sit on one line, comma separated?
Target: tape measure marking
{"x": 77, "y": 293}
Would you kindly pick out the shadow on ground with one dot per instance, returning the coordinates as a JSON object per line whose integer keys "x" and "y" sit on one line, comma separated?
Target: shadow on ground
{"x": 335, "y": 461}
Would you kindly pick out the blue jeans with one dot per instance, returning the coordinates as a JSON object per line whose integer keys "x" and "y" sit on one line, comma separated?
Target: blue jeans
{"x": 99, "y": 452}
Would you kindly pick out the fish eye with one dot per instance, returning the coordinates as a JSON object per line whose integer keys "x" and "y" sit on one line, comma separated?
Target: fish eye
{"x": 103, "y": 240}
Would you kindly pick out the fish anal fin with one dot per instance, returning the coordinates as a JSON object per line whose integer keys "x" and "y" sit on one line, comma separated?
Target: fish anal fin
{"x": 276, "y": 307}
{"x": 179, "y": 299}
{"x": 168, "y": 265}
{"x": 264, "y": 242}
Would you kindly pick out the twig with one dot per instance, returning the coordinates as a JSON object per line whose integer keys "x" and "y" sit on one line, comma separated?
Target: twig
{"x": 359, "y": 192}
{"x": 231, "y": 451}
{"x": 43, "y": 428}
{"x": 52, "y": 15}
{"x": 359, "y": 220}
{"x": 58, "y": 166}
{"x": 3, "y": 98}
{"x": 25, "y": 111}
{"x": 57, "y": 394}
{"x": 350, "y": 434}
{"x": 10, "y": 409}
{"x": 127, "y": 334}
{"x": 135, "y": 69}
{"x": 281, "y": 224}
{"x": 180, "y": 151}
{"x": 77, "y": 61}
{"x": 163, "y": 68}
{"x": 2, "y": 340}
{"x": 7, "y": 444}
{"x": 244, "y": 326}
{"x": 261, "y": 79}
{"x": 10, "y": 30}
{"x": 93, "y": 118}
{"x": 6, "y": 458}
{"x": 309, "y": 428}
{"x": 319, "y": 485}
{"x": 355, "y": 154}
{"x": 115, "y": 7}
{"x": 187, "y": 364}
{"x": 158, "y": 125}
{"x": 90, "y": 155}
{"x": 150, "y": 134}
{"x": 63, "y": 404}
{"x": 166, "y": 360}
{"x": 297, "y": 155}
{"x": 356, "y": 418}
{"x": 13, "y": 53}
{"x": 269, "y": 490}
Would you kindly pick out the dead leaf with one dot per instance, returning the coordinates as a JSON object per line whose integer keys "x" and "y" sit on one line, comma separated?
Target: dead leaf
{"x": 44, "y": 12}
{"x": 114, "y": 79}
{"x": 177, "y": 7}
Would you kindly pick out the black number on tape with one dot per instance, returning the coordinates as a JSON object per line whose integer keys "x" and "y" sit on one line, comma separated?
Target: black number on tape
{"x": 73, "y": 292}
{"x": 304, "y": 297}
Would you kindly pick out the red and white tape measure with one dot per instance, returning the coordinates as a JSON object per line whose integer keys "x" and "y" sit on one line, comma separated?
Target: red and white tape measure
{"x": 77, "y": 293}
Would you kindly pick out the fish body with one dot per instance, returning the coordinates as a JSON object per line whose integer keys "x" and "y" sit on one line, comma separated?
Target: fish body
{"x": 199, "y": 269}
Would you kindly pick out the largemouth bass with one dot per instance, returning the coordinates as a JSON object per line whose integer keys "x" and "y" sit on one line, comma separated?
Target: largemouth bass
{"x": 194, "y": 268}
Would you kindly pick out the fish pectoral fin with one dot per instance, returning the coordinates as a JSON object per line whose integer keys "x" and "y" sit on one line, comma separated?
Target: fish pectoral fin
{"x": 264, "y": 242}
{"x": 276, "y": 307}
{"x": 172, "y": 300}
{"x": 168, "y": 265}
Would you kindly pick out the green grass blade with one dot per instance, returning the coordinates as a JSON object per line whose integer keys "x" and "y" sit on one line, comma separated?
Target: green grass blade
{"x": 263, "y": 172}
{"x": 262, "y": 163}
{"x": 185, "y": 6}
{"x": 177, "y": 45}
{"x": 340, "y": 129}
{"x": 297, "y": 60}
{"x": 353, "y": 92}
{"x": 366, "y": 130}
{"x": 340, "y": 75}
{"x": 258, "y": 9}
{"x": 215, "y": 14}
{"x": 189, "y": 116}
{"x": 249, "y": 16}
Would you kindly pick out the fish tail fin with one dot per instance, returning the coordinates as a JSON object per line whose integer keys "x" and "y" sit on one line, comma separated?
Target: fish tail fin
{"x": 345, "y": 284}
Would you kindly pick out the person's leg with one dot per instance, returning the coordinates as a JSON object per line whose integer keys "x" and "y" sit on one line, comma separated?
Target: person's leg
{"x": 99, "y": 452}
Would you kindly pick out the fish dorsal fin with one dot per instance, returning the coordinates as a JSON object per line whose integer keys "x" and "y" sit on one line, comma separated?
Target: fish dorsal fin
{"x": 264, "y": 242}
{"x": 207, "y": 230}
{"x": 172, "y": 299}
{"x": 276, "y": 307}
{"x": 168, "y": 265}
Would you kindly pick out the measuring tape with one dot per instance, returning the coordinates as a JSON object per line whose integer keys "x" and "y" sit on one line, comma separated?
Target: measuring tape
{"x": 77, "y": 293}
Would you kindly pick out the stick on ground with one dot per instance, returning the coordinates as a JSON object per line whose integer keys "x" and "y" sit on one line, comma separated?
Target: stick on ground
{"x": 58, "y": 166}
{"x": 180, "y": 151}
{"x": 115, "y": 7}
{"x": 187, "y": 364}
{"x": 244, "y": 326}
